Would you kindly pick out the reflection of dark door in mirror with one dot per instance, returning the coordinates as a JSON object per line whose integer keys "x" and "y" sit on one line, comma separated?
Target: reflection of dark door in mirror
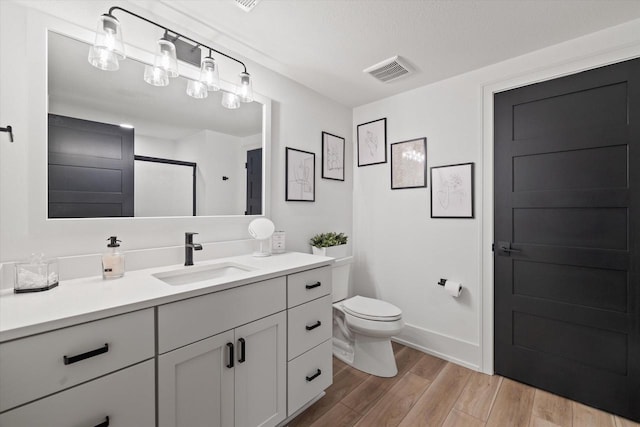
{"x": 254, "y": 182}
{"x": 90, "y": 169}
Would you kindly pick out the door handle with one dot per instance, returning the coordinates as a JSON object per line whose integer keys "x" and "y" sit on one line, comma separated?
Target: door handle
{"x": 230, "y": 347}
{"x": 241, "y": 356}
{"x": 313, "y": 285}
{"x": 68, "y": 360}
{"x": 312, "y": 327}
{"x": 314, "y": 376}
{"x": 506, "y": 249}
{"x": 105, "y": 423}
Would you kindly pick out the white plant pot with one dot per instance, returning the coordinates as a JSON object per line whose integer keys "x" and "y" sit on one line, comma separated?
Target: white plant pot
{"x": 339, "y": 251}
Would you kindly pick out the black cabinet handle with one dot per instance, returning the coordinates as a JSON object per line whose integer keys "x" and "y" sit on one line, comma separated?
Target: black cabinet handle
{"x": 313, "y": 285}
{"x": 68, "y": 360}
{"x": 312, "y": 327}
{"x": 314, "y": 376}
{"x": 105, "y": 423}
{"x": 230, "y": 347}
{"x": 242, "y": 345}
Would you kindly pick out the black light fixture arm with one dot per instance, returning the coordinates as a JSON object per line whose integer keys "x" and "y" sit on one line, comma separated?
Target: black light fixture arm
{"x": 177, "y": 35}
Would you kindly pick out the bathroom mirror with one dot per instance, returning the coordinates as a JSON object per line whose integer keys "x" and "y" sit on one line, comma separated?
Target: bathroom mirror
{"x": 118, "y": 146}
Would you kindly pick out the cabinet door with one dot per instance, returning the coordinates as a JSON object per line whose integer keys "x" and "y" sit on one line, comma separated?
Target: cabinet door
{"x": 261, "y": 374}
{"x": 195, "y": 384}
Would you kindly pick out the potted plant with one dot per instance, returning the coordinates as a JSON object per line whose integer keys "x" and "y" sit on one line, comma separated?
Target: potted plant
{"x": 329, "y": 244}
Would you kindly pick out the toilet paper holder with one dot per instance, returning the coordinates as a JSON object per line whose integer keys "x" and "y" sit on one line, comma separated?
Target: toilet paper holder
{"x": 442, "y": 282}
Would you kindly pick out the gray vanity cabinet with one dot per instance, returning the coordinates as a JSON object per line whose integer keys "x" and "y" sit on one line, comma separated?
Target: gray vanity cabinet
{"x": 234, "y": 378}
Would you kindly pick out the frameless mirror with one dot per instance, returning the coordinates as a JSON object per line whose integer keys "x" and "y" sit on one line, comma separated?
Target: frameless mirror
{"x": 118, "y": 146}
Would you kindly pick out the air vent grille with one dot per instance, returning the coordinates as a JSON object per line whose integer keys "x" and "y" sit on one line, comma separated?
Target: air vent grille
{"x": 246, "y": 5}
{"x": 389, "y": 69}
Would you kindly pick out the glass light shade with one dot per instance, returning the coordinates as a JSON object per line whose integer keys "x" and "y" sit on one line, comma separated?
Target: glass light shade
{"x": 155, "y": 76}
{"x": 166, "y": 57}
{"x": 197, "y": 89}
{"x": 108, "y": 47}
{"x": 209, "y": 74}
{"x": 103, "y": 58}
{"x": 230, "y": 100}
{"x": 245, "y": 91}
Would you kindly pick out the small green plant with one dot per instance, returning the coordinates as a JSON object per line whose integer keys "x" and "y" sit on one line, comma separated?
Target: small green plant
{"x": 324, "y": 240}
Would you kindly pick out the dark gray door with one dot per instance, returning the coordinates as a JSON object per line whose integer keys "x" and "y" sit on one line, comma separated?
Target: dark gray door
{"x": 90, "y": 169}
{"x": 254, "y": 182}
{"x": 567, "y": 236}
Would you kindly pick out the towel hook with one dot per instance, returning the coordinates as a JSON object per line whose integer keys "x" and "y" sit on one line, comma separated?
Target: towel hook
{"x": 10, "y": 130}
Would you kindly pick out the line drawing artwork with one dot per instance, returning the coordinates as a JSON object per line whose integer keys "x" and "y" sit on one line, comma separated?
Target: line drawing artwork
{"x": 332, "y": 157}
{"x": 300, "y": 175}
{"x": 452, "y": 191}
{"x": 372, "y": 142}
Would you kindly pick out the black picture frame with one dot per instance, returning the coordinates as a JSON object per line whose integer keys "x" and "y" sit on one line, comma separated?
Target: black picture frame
{"x": 372, "y": 142}
{"x": 452, "y": 191}
{"x": 409, "y": 164}
{"x": 332, "y": 157}
{"x": 300, "y": 175}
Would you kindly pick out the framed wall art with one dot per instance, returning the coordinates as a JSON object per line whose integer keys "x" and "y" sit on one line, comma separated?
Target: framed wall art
{"x": 300, "y": 182}
{"x": 409, "y": 164}
{"x": 452, "y": 191}
{"x": 332, "y": 157}
{"x": 372, "y": 142}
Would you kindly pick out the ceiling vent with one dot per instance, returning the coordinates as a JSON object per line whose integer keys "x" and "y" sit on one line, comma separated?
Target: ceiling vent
{"x": 246, "y": 5}
{"x": 388, "y": 70}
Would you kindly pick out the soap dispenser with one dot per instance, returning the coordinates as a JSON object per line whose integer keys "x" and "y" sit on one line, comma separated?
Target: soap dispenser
{"x": 113, "y": 260}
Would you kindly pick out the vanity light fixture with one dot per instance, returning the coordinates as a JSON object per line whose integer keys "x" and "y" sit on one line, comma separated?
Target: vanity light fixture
{"x": 230, "y": 100}
{"x": 245, "y": 92}
{"x": 108, "y": 50}
{"x": 197, "y": 89}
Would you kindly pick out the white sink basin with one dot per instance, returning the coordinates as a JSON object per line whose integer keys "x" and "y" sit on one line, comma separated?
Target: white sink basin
{"x": 194, "y": 274}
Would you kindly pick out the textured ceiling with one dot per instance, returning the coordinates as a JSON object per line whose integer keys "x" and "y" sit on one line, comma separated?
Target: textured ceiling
{"x": 325, "y": 44}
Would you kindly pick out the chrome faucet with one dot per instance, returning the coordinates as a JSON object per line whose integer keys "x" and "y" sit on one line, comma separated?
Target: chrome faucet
{"x": 189, "y": 247}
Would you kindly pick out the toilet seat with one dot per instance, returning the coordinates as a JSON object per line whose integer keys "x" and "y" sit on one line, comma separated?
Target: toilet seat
{"x": 371, "y": 309}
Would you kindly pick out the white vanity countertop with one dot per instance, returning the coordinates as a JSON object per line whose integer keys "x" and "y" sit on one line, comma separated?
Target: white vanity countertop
{"x": 82, "y": 300}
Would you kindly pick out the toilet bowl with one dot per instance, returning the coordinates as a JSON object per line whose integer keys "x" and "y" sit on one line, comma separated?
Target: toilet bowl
{"x": 363, "y": 327}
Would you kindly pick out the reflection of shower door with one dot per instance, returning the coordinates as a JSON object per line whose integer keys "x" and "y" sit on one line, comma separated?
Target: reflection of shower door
{"x": 254, "y": 182}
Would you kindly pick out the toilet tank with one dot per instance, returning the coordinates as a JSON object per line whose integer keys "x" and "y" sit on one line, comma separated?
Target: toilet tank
{"x": 341, "y": 272}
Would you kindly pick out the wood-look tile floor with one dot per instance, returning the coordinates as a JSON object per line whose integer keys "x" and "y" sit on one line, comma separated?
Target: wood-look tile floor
{"x": 432, "y": 392}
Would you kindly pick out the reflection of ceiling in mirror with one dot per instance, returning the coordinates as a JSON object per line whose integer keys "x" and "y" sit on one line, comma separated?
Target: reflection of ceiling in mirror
{"x": 123, "y": 97}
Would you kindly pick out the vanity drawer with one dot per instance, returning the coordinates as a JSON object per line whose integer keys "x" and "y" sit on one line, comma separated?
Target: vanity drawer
{"x": 308, "y": 285}
{"x": 127, "y": 397}
{"x": 183, "y": 322}
{"x": 42, "y": 364}
{"x": 309, "y": 375}
{"x": 309, "y": 325}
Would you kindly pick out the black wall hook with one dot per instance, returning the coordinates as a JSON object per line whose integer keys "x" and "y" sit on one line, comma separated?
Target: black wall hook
{"x": 10, "y": 130}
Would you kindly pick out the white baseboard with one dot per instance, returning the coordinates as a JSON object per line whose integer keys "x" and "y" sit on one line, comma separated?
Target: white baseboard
{"x": 445, "y": 347}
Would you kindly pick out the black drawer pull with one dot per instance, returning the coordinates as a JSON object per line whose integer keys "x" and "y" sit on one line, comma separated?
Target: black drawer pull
{"x": 314, "y": 376}
{"x": 243, "y": 345}
{"x": 68, "y": 360}
{"x": 230, "y": 347}
{"x": 105, "y": 423}
{"x": 313, "y": 285}
{"x": 312, "y": 327}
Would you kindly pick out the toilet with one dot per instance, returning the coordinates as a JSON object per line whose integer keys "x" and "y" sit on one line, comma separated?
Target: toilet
{"x": 363, "y": 327}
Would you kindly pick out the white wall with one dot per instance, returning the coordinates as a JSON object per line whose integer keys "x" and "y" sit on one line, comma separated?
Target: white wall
{"x": 400, "y": 251}
{"x": 299, "y": 115}
{"x": 217, "y": 155}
